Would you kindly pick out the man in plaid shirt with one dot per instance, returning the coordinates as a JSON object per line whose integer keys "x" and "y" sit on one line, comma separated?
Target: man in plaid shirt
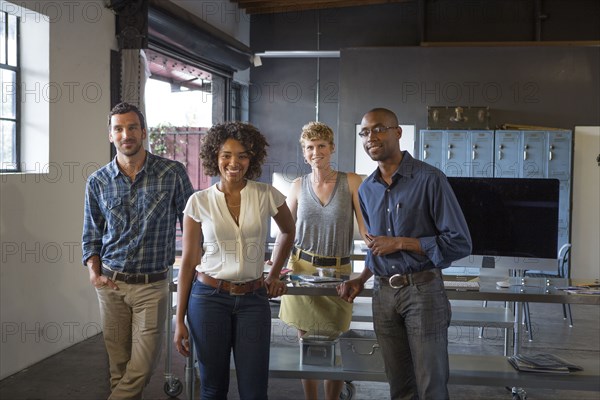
{"x": 131, "y": 209}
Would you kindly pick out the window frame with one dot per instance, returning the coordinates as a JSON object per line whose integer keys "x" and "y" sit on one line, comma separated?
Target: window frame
{"x": 235, "y": 101}
{"x": 17, "y": 98}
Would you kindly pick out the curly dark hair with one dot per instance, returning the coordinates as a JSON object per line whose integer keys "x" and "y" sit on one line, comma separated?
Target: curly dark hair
{"x": 124, "y": 108}
{"x": 249, "y": 136}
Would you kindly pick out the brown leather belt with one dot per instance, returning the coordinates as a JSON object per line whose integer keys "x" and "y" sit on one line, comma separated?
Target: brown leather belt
{"x": 321, "y": 261}
{"x": 134, "y": 279}
{"x": 232, "y": 287}
{"x": 399, "y": 281}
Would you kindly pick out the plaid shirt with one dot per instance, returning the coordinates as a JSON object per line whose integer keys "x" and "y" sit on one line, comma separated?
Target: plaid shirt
{"x": 131, "y": 226}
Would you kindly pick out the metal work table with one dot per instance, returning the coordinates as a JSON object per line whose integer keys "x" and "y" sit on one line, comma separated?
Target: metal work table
{"x": 533, "y": 290}
{"x": 480, "y": 370}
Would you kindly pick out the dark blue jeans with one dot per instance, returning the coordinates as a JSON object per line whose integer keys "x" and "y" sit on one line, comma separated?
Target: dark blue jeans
{"x": 411, "y": 325}
{"x": 219, "y": 323}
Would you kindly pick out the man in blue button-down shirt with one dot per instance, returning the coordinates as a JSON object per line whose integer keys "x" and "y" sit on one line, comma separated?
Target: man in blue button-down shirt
{"x": 415, "y": 228}
{"x": 132, "y": 206}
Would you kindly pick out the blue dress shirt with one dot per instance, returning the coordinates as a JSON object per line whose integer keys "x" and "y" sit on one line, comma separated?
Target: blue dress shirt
{"x": 419, "y": 204}
{"x": 131, "y": 225}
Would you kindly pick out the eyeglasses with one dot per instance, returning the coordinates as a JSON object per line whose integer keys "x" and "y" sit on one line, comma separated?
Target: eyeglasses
{"x": 378, "y": 129}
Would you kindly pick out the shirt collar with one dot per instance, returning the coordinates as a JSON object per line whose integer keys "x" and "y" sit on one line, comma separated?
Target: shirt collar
{"x": 405, "y": 169}
{"x": 149, "y": 164}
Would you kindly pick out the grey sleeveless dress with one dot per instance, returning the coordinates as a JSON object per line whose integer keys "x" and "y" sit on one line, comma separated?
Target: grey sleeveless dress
{"x": 323, "y": 230}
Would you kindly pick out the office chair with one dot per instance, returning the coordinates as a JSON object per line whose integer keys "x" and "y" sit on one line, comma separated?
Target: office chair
{"x": 564, "y": 271}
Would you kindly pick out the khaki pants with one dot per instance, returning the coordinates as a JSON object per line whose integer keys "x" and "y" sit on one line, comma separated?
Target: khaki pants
{"x": 133, "y": 321}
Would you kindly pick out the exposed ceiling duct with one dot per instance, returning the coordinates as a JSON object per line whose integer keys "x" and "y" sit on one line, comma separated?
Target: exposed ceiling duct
{"x": 196, "y": 41}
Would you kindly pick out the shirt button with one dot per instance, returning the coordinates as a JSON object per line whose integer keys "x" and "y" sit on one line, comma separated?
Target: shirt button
{"x": 393, "y": 267}
{"x": 389, "y": 229}
{"x": 388, "y": 210}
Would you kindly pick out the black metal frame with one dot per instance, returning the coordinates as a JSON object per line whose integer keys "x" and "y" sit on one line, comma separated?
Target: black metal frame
{"x": 17, "y": 119}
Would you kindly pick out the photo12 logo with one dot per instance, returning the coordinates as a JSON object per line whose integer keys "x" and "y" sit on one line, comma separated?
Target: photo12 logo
{"x": 53, "y": 92}
{"x": 55, "y": 11}
{"x": 48, "y": 332}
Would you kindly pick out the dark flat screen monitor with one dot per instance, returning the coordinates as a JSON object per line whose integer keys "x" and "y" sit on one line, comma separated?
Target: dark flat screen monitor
{"x": 513, "y": 222}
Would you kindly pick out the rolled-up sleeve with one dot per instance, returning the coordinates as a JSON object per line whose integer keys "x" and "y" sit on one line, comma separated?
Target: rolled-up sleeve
{"x": 453, "y": 240}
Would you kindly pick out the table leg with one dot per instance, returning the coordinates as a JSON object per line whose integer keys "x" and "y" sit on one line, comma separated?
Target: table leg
{"x": 517, "y": 328}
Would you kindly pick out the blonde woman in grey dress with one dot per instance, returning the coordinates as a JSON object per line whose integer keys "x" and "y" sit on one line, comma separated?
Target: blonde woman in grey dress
{"x": 322, "y": 203}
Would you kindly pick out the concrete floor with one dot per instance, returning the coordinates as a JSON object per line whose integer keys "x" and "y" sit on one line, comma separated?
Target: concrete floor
{"x": 81, "y": 372}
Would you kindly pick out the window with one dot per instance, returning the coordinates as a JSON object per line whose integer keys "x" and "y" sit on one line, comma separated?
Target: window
{"x": 236, "y": 101}
{"x": 9, "y": 77}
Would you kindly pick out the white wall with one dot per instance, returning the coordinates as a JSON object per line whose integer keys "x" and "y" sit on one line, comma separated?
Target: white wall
{"x": 585, "y": 224}
{"x": 46, "y": 301}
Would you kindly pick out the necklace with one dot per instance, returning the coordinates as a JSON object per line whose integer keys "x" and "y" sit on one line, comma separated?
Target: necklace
{"x": 236, "y": 218}
{"x": 231, "y": 208}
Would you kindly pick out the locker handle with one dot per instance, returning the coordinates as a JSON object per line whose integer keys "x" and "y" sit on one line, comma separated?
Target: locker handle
{"x": 499, "y": 154}
{"x": 474, "y": 154}
{"x": 424, "y": 154}
{"x": 449, "y": 154}
{"x": 525, "y": 155}
{"x": 550, "y": 156}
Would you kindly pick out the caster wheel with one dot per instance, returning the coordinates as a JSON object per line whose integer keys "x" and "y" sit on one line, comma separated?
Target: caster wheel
{"x": 173, "y": 388}
{"x": 518, "y": 393}
{"x": 348, "y": 391}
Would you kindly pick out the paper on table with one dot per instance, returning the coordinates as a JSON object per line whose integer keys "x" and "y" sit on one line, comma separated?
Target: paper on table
{"x": 319, "y": 279}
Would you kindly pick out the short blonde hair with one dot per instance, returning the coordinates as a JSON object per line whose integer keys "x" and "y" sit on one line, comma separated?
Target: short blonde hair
{"x": 316, "y": 131}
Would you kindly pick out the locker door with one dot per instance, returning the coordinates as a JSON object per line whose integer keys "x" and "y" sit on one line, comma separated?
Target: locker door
{"x": 559, "y": 167}
{"x": 482, "y": 154}
{"x": 431, "y": 147}
{"x": 559, "y": 154}
{"x": 564, "y": 204}
{"x": 563, "y": 237}
{"x": 457, "y": 159}
{"x": 507, "y": 146}
{"x": 534, "y": 155}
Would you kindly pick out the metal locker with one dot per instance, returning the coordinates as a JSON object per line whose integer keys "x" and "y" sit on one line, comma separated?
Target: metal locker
{"x": 431, "y": 142}
{"x": 563, "y": 237}
{"x": 564, "y": 203}
{"x": 559, "y": 154}
{"x": 482, "y": 154}
{"x": 457, "y": 155}
{"x": 507, "y": 154}
{"x": 534, "y": 154}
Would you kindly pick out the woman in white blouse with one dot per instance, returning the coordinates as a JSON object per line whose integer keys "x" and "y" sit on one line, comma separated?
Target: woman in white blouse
{"x": 221, "y": 285}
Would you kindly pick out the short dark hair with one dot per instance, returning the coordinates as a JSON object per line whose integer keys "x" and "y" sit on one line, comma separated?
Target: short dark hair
{"x": 249, "y": 136}
{"x": 384, "y": 111}
{"x": 124, "y": 108}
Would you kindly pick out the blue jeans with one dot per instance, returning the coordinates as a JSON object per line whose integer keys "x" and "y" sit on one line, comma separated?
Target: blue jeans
{"x": 411, "y": 325}
{"x": 220, "y": 322}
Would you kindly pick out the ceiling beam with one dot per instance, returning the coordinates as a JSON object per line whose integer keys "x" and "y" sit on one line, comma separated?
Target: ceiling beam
{"x": 274, "y": 6}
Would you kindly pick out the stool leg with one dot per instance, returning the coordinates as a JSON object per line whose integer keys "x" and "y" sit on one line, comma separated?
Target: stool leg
{"x": 567, "y": 313}
{"x": 481, "y": 327}
{"x": 528, "y": 321}
{"x": 506, "y": 341}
